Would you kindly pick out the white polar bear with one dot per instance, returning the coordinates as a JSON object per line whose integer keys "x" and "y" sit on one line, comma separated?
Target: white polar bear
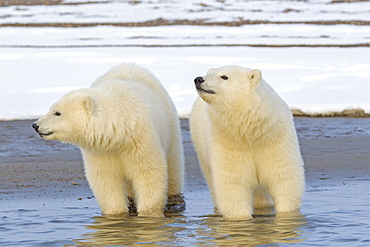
{"x": 244, "y": 135}
{"x": 129, "y": 134}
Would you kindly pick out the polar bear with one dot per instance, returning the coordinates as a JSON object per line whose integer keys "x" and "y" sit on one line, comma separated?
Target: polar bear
{"x": 246, "y": 143}
{"x": 129, "y": 134}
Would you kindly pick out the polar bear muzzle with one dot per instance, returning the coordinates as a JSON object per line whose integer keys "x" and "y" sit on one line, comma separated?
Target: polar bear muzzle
{"x": 198, "y": 85}
{"x": 36, "y": 127}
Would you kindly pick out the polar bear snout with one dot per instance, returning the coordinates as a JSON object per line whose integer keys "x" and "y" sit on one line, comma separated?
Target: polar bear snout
{"x": 35, "y": 127}
{"x": 199, "y": 80}
{"x": 198, "y": 85}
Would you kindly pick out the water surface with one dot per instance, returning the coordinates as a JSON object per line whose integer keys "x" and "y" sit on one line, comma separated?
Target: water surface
{"x": 330, "y": 217}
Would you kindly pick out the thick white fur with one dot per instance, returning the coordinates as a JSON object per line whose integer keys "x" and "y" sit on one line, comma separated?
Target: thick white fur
{"x": 246, "y": 143}
{"x": 128, "y": 131}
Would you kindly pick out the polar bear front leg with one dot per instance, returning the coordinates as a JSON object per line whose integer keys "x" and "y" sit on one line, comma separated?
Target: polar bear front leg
{"x": 286, "y": 182}
{"x": 287, "y": 193}
{"x": 107, "y": 183}
{"x": 150, "y": 186}
{"x": 233, "y": 182}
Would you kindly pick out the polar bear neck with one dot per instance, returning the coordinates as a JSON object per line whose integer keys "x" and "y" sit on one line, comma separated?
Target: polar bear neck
{"x": 247, "y": 129}
{"x": 115, "y": 131}
{"x": 242, "y": 122}
{"x": 247, "y": 121}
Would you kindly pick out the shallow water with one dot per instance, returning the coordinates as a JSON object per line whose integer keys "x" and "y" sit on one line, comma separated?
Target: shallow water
{"x": 335, "y": 216}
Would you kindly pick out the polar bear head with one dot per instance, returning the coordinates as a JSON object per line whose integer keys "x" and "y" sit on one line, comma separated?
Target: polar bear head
{"x": 227, "y": 83}
{"x": 67, "y": 118}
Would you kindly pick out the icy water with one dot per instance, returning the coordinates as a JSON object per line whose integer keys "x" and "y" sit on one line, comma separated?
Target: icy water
{"x": 334, "y": 212}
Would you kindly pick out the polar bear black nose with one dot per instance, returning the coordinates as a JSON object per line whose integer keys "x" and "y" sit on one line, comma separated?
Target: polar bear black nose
{"x": 198, "y": 80}
{"x": 35, "y": 126}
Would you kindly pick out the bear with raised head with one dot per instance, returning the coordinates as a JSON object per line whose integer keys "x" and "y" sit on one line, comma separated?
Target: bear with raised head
{"x": 246, "y": 143}
{"x": 128, "y": 131}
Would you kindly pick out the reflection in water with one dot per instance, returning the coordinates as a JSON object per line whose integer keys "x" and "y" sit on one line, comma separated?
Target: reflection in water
{"x": 261, "y": 230}
{"x": 178, "y": 230}
{"x": 109, "y": 230}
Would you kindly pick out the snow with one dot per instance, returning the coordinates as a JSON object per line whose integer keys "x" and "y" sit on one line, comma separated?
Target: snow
{"x": 271, "y": 34}
{"x": 209, "y": 10}
{"x": 40, "y": 64}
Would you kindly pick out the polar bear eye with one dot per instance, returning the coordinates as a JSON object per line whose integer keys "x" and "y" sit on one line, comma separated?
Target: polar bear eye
{"x": 57, "y": 114}
{"x": 224, "y": 77}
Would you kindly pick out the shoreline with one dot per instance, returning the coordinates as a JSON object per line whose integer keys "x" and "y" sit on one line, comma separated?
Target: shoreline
{"x": 297, "y": 113}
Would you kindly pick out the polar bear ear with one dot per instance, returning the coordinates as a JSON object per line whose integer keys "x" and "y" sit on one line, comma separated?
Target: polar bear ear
{"x": 254, "y": 77}
{"x": 89, "y": 103}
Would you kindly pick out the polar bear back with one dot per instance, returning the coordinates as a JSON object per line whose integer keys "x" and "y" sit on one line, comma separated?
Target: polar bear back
{"x": 136, "y": 100}
{"x": 133, "y": 73}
